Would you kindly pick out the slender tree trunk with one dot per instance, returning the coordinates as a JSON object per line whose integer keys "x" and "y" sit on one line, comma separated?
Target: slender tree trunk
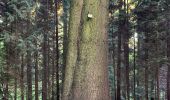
{"x": 48, "y": 56}
{"x": 6, "y": 78}
{"x": 5, "y": 82}
{"x": 168, "y": 56}
{"x": 57, "y": 53}
{"x": 53, "y": 58}
{"x": 114, "y": 64}
{"x": 146, "y": 83}
{"x": 65, "y": 36}
{"x": 44, "y": 82}
{"x": 53, "y": 68}
{"x": 48, "y": 69}
{"x": 167, "y": 16}
{"x": 134, "y": 72}
{"x": 157, "y": 83}
{"x": 29, "y": 74}
{"x": 36, "y": 73}
{"x": 119, "y": 67}
{"x": 22, "y": 77}
{"x": 44, "y": 77}
{"x": 146, "y": 67}
{"x": 15, "y": 89}
{"x": 126, "y": 52}
{"x": 157, "y": 75}
{"x": 36, "y": 59}
{"x": 120, "y": 31}
{"x": 168, "y": 83}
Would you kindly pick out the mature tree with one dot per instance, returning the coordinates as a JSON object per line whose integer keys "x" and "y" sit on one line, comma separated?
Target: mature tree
{"x": 86, "y": 66}
{"x": 71, "y": 57}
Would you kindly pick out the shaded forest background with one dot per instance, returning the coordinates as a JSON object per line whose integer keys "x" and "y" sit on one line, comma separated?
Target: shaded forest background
{"x": 37, "y": 49}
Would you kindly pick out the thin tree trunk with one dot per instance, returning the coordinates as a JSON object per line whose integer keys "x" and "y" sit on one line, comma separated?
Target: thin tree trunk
{"x": 114, "y": 65}
{"x": 6, "y": 78}
{"x": 57, "y": 54}
{"x": 119, "y": 67}
{"x": 53, "y": 68}
{"x": 44, "y": 82}
{"x": 5, "y": 89}
{"x": 134, "y": 72}
{"x": 126, "y": 49}
{"x": 65, "y": 36}
{"x": 15, "y": 89}
{"x": 22, "y": 77}
{"x": 146, "y": 67}
{"x": 120, "y": 31}
{"x": 36, "y": 60}
{"x": 157, "y": 75}
{"x": 29, "y": 74}
{"x": 44, "y": 77}
{"x": 168, "y": 83}
{"x": 168, "y": 56}
{"x": 168, "y": 50}
{"x": 36, "y": 73}
{"x": 48, "y": 69}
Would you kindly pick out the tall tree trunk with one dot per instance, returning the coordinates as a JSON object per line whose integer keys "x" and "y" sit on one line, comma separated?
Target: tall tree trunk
{"x": 44, "y": 81}
{"x": 126, "y": 49}
{"x": 114, "y": 63}
{"x": 53, "y": 57}
{"x": 119, "y": 68}
{"x": 29, "y": 74}
{"x": 168, "y": 48}
{"x": 36, "y": 72}
{"x": 22, "y": 77}
{"x": 66, "y": 4}
{"x": 157, "y": 87}
{"x": 168, "y": 53}
{"x": 5, "y": 89}
{"x": 71, "y": 57}
{"x": 90, "y": 79}
{"x": 5, "y": 82}
{"x": 90, "y": 65}
{"x": 157, "y": 91}
{"x": 36, "y": 58}
{"x": 45, "y": 27}
{"x": 53, "y": 68}
{"x": 146, "y": 67}
{"x": 134, "y": 69}
{"x": 168, "y": 82}
{"x": 15, "y": 89}
{"x": 57, "y": 53}
{"x": 120, "y": 31}
{"x": 48, "y": 68}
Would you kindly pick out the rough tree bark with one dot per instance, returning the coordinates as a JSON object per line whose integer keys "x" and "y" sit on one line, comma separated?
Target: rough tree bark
{"x": 86, "y": 64}
{"x": 74, "y": 23}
